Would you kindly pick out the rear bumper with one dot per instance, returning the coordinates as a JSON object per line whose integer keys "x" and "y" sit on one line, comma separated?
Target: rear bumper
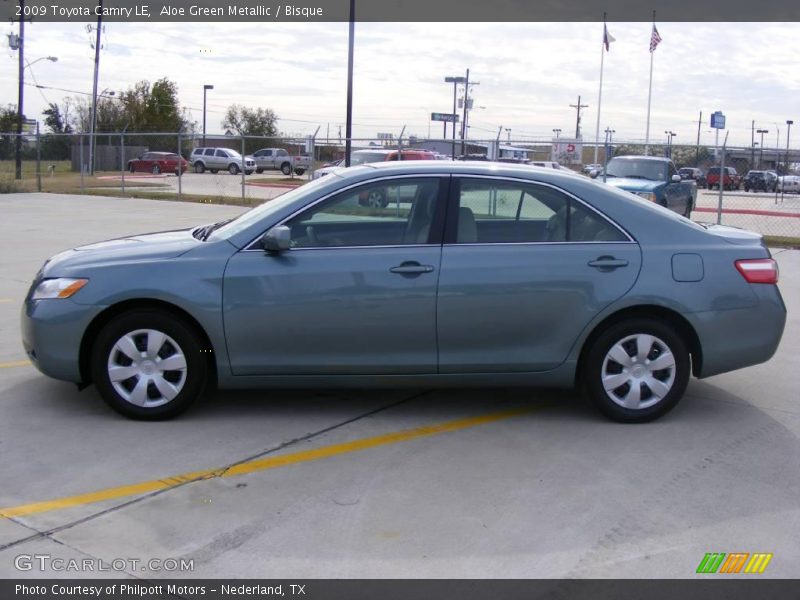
{"x": 733, "y": 339}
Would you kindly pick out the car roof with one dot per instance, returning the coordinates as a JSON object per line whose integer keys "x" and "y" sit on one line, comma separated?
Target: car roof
{"x": 650, "y": 158}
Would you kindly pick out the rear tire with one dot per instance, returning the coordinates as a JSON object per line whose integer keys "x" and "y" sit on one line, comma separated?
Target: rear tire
{"x": 149, "y": 365}
{"x": 636, "y": 370}
{"x": 299, "y": 171}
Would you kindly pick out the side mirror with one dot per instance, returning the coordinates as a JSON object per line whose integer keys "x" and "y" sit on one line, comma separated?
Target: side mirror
{"x": 676, "y": 179}
{"x": 277, "y": 239}
{"x": 593, "y": 174}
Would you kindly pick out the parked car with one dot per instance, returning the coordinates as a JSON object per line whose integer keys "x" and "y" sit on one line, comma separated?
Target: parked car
{"x": 158, "y": 162}
{"x": 221, "y": 159}
{"x": 694, "y": 174}
{"x": 731, "y": 181}
{"x": 765, "y": 181}
{"x": 587, "y": 169}
{"x": 493, "y": 275}
{"x": 653, "y": 178}
{"x": 789, "y": 184}
{"x": 363, "y": 157}
{"x": 280, "y": 159}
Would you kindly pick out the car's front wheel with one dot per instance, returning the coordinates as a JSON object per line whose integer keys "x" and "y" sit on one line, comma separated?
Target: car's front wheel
{"x": 233, "y": 169}
{"x": 636, "y": 370}
{"x": 199, "y": 167}
{"x": 149, "y": 365}
{"x": 286, "y": 169}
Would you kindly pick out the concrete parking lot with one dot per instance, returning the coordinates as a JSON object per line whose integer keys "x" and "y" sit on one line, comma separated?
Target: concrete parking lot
{"x": 469, "y": 483}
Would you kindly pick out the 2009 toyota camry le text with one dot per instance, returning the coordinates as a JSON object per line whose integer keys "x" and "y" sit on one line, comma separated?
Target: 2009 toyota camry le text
{"x": 468, "y": 274}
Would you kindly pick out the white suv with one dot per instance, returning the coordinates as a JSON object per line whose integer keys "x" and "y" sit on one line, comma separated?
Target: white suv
{"x": 221, "y": 159}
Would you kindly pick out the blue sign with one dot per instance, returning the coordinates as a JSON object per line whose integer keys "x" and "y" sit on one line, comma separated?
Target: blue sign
{"x": 718, "y": 120}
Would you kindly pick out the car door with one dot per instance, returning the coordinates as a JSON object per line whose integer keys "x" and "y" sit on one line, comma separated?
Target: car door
{"x": 675, "y": 192}
{"x": 355, "y": 294}
{"x": 525, "y": 268}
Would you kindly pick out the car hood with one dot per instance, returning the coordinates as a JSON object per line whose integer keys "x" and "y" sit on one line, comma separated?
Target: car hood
{"x": 634, "y": 185}
{"x": 162, "y": 245}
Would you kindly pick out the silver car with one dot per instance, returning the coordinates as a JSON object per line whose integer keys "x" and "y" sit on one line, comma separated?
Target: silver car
{"x": 492, "y": 275}
{"x": 221, "y": 159}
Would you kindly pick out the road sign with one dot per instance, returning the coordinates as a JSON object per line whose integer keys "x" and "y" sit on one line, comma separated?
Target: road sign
{"x": 446, "y": 117}
{"x": 718, "y": 120}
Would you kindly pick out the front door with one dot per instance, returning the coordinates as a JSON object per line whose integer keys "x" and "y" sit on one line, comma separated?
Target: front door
{"x": 356, "y": 293}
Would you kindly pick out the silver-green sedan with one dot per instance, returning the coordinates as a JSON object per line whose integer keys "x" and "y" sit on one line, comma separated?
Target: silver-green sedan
{"x": 472, "y": 274}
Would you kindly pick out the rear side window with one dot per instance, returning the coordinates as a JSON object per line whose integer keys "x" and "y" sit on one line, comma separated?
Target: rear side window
{"x": 281, "y": 153}
{"x": 491, "y": 212}
{"x": 209, "y": 152}
{"x": 222, "y": 154}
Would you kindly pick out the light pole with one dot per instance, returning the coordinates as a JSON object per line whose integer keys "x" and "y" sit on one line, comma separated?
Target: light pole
{"x": 20, "y": 113}
{"x": 761, "y": 150}
{"x": 455, "y": 81}
{"x": 609, "y": 133}
{"x": 557, "y": 132}
{"x": 789, "y": 124}
{"x": 508, "y": 132}
{"x": 206, "y": 87}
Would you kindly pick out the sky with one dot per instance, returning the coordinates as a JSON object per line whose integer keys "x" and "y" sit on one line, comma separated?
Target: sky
{"x": 528, "y": 74}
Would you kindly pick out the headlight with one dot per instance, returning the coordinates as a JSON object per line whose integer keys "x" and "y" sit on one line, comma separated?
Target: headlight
{"x": 63, "y": 287}
{"x": 647, "y": 196}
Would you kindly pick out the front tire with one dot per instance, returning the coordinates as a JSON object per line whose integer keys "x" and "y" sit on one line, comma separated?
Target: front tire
{"x": 233, "y": 169}
{"x": 199, "y": 167}
{"x": 636, "y": 370}
{"x": 149, "y": 365}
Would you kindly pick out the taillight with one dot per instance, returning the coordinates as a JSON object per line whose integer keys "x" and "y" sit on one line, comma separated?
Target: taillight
{"x": 758, "y": 270}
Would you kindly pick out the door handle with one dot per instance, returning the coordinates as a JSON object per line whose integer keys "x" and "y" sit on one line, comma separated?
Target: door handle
{"x": 607, "y": 263}
{"x": 411, "y": 268}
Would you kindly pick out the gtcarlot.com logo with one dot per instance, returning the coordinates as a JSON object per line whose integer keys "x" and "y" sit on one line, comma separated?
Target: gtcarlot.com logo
{"x": 735, "y": 562}
{"x": 47, "y": 562}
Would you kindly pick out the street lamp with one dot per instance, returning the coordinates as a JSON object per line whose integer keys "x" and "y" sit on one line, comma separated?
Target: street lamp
{"x": 761, "y": 151}
{"x": 508, "y": 132}
{"x": 789, "y": 124}
{"x": 206, "y": 87}
{"x": 557, "y": 132}
{"x": 455, "y": 81}
{"x": 670, "y": 135}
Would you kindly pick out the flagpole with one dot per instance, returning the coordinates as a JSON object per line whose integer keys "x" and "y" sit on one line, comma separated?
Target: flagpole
{"x": 600, "y": 93}
{"x": 649, "y": 93}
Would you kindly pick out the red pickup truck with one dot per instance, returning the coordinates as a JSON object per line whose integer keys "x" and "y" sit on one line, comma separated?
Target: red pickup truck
{"x": 731, "y": 181}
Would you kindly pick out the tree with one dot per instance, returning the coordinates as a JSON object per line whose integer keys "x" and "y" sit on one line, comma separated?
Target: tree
{"x": 246, "y": 121}
{"x": 56, "y": 142}
{"x": 8, "y": 125}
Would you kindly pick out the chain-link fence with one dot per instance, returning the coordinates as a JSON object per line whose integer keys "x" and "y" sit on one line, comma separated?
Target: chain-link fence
{"x": 760, "y": 190}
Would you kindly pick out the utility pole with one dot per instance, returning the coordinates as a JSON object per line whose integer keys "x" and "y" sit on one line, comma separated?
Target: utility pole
{"x": 697, "y": 147}
{"x": 761, "y": 149}
{"x": 348, "y": 142}
{"x": 752, "y": 144}
{"x": 578, "y": 107}
{"x": 18, "y": 141}
{"x": 464, "y": 117}
{"x": 92, "y": 147}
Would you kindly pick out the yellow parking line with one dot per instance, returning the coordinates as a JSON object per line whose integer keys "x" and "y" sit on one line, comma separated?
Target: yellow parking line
{"x": 262, "y": 464}
{"x": 15, "y": 363}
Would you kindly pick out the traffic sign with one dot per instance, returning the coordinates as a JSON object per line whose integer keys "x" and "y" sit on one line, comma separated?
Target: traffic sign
{"x": 718, "y": 120}
{"x": 446, "y": 117}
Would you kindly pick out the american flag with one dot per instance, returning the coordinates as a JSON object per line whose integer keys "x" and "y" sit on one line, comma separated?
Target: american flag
{"x": 655, "y": 39}
{"x": 607, "y": 37}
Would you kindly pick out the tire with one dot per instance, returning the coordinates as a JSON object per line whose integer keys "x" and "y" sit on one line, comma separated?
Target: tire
{"x": 248, "y": 172}
{"x": 376, "y": 199}
{"x": 747, "y": 188}
{"x": 131, "y": 168}
{"x": 688, "y": 212}
{"x": 156, "y": 170}
{"x": 615, "y": 354}
{"x": 150, "y": 393}
{"x": 259, "y": 170}
{"x": 299, "y": 171}
{"x": 233, "y": 169}
{"x": 286, "y": 169}
{"x": 199, "y": 167}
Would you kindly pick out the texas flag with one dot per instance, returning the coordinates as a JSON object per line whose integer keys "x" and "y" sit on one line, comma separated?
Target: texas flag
{"x": 607, "y": 37}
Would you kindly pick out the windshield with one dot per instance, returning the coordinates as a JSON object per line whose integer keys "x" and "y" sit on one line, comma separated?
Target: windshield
{"x": 362, "y": 158}
{"x": 233, "y": 154}
{"x": 637, "y": 169}
{"x": 259, "y": 212}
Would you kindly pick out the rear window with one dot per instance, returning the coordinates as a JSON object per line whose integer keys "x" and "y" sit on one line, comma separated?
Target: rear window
{"x": 362, "y": 158}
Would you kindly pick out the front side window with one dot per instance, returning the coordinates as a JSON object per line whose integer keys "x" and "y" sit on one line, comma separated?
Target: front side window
{"x": 209, "y": 152}
{"x": 222, "y": 154}
{"x": 493, "y": 212}
{"x": 281, "y": 153}
{"x": 385, "y": 213}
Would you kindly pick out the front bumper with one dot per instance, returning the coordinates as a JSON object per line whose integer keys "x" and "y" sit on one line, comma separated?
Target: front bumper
{"x": 52, "y": 331}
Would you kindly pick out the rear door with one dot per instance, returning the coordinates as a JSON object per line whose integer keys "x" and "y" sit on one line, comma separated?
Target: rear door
{"x": 525, "y": 267}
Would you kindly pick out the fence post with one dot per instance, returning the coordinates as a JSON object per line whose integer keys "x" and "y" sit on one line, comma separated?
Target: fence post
{"x": 82, "y": 165}
{"x": 243, "y": 166}
{"x": 39, "y": 160}
{"x": 721, "y": 185}
{"x": 180, "y": 167}
{"x": 122, "y": 159}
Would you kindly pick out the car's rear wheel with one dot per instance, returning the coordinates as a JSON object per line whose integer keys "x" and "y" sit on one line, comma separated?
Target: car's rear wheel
{"x": 156, "y": 170}
{"x": 259, "y": 170}
{"x": 199, "y": 167}
{"x": 299, "y": 171}
{"x": 233, "y": 169}
{"x": 286, "y": 168}
{"x": 636, "y": 370}
{"x": 148, "y": 365}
